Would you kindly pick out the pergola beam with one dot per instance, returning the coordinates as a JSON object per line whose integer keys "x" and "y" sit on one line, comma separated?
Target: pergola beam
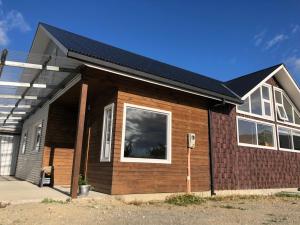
{"x": 38, "y": 66}
{"x": 13, "y": 106}
{"x": 22, "y": 84}
{"x": 15, "y": 113}
{"x": 27, "y": 97}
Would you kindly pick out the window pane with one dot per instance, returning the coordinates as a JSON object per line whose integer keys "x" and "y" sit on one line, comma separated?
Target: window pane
{"x": 285, "y": 138}
{"x": 278, "y": 97}
{"x": 256, "y": 102}
{"x": 247, "y": 132}
{"x": 38, "y": 137}
{"x": 288, "y": 108}
{"x": 244, "y": 107}
{"x": 296, "y": 140}
{"x": 265, "y": 92}
{"x": 297, "y": 118}
{"x": 265, "y": 135}
{"x": 281, "y": 112}
{"x": 145, "y": 134}
{"x": 267, "y": 108}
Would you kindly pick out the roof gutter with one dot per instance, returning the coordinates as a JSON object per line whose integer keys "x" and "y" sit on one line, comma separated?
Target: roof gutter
{"x": 150, "y": 78}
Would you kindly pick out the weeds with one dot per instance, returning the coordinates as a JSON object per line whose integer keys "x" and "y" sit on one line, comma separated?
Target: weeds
{"x": 53, "y": 201}
{"x": 185, "y": 199}
{"x": 288, "y": 195}
{"x": 231, "y": 207}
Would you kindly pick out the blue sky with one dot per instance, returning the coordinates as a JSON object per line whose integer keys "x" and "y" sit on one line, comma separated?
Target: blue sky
{"x": 221, "y": 39}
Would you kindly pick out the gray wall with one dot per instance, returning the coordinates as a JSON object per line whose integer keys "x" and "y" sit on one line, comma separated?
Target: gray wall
{"x": 29, "y": 164}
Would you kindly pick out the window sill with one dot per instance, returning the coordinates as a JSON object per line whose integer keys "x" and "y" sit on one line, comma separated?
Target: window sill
{"x": 255, "y": 116}
{"x": 142, "y": 160}
{"x": 289, "y": 150}
{"x": 257, "y": 146}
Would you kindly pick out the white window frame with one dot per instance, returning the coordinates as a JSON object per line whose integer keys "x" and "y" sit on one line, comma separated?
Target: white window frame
{"x": 24, "y": 142}
{"x": 263, "y": 101}
{"x": 292, "y": 132}
{"x": 36, "y": 148}
{"x": 169, "y": 136}
{"x": 105, "y": 151}
{"x": 283, "y": 94}
{"x": 256, "y": 122}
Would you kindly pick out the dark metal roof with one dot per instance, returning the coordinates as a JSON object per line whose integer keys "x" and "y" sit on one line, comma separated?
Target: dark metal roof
{"x": 243, "y": 84}
{"x": 159, "y": 71}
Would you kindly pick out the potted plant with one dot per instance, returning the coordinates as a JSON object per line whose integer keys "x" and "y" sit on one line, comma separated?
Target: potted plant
{"x": 84, "y": 188}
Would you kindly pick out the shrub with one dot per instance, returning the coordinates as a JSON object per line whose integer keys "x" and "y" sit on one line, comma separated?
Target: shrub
{"x": 184, "y": 200}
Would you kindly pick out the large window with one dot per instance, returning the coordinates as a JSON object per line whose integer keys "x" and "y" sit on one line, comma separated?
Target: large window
{"x": 38, "y": 136}
{"x": 289, "y": 139}
{"x": 255, "y": 134}
{"x": 24, "y": 142}
{"x": 285, "y": 110}
{"x": 107, "y": 133}
{"x": 146, "y": 135}
{"x": 259, "y": 103}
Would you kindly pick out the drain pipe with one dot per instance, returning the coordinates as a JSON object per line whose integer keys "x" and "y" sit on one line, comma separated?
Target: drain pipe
{"x": 211, "y": 153}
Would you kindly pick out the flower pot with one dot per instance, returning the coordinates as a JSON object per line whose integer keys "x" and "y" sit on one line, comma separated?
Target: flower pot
{"x": 84, "y": 190}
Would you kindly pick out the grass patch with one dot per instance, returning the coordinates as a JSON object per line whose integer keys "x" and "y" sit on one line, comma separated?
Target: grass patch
{"x": 52, "y": 201}
{"x": 185, "y": 199}
{"x": 231, "y": 207}
{"x": 288, "y": 195}
{"x": 237, "y": 197}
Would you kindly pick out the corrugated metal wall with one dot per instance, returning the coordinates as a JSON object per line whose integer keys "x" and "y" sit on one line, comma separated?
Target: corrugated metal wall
{"x": 30, "y": 162}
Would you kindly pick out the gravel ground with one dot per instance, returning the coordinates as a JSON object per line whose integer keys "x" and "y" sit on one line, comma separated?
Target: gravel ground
{"x": 271, "y": 210}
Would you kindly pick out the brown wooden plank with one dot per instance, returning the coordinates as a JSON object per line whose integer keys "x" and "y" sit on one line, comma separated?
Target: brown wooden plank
{"x": 79, "y": 138}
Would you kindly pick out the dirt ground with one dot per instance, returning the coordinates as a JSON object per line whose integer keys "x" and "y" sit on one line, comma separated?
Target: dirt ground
{"x": 263, "y": 211}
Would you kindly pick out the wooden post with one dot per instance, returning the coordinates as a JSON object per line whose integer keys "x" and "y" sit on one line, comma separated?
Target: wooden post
{"x": 188, "y": 178}
{"x": 79, "y": 138}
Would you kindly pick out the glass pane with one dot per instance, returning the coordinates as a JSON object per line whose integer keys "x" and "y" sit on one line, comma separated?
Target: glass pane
{"x": 38, "y": 137}
{"x": 296, "y": 140}
{"x": 256, "y": 102}
{"x": 297, "y": 118}
{"x": 267, "y": 108}
{"x": 288, "y": 108}
{"x": 265, "y": 92}
{"x": 145, "y": 134}
{"x": 247, "y": 132}
{"x": 244, "y": 107}
{"x": 278, "y": 97}
{"x": 285, "y": 138}
{"x": 281, "y": 113}
{"x": 265, "y": 135}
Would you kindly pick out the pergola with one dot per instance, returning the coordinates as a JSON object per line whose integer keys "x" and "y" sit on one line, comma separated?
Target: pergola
{"x": 27, "y": 82}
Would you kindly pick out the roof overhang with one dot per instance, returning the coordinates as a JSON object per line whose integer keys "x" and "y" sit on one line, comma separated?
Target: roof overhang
{"x": 287, "y": 82}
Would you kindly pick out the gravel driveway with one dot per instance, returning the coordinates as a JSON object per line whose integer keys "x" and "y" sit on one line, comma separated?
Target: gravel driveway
{"x": 263, "y": 211}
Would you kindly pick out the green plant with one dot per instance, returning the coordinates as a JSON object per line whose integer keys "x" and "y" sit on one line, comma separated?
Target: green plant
{"x": 288, "y": 194}
{"x": 81, "y": 180}
{"x": 185, "y": 199}
{"x": 50, "y": 201}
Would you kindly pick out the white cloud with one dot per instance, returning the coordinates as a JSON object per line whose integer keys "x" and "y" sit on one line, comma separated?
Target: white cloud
{"x": 258, "y": 38}
{"x": 276, "y": 40}
{"x": 12, "y": 20}
{"x": 294, "y": 63}
{"x": 295, "y": 28}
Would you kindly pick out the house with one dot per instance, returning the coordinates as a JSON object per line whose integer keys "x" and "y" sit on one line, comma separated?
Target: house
{"x": 121, "y": 120}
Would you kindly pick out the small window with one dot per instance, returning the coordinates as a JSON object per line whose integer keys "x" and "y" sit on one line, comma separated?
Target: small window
{"x": 285, "y": 140}
{"x": 253, "y": 133}
{"x": 281, "y": 113}
{"x": 259, "y": 103}
{"x": 245, "y": 106}
{"x": 146, "y": 135}
{"x": 38, "y": 137}
{"x": 289, "y": 109}
{"x": 247, "y": 132}
{"x": 265, "y": 135}
{"x": 256, "y": 107}
{"x": 107, "y": 133}
{"x": 296, "y": 140}
{"x": 24, "y": 143}
{"x": 297, "y": 118}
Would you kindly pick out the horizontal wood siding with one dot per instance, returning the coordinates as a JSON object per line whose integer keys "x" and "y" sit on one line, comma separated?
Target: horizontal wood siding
{"x": 59, "y": 144}
{"x": 188, "y": 115}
